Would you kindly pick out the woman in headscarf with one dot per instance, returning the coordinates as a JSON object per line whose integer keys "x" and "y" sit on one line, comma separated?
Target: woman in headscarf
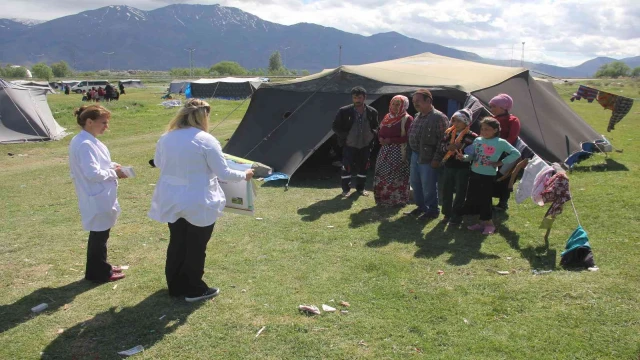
{"x": 391, "y": 181}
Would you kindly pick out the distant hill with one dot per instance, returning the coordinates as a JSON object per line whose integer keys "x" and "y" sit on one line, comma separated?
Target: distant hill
{"x": 157, "y": 39}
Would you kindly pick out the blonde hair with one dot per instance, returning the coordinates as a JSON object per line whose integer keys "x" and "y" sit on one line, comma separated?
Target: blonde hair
{"x": 194, "y": 113}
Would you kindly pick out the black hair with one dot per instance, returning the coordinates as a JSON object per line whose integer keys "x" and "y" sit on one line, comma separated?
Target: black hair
{"x": 358, "y": 90}
{"x": 493, "y": 123}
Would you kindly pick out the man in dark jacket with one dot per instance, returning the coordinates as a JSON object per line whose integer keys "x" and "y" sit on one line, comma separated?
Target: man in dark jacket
{"x": 356, "y": 126}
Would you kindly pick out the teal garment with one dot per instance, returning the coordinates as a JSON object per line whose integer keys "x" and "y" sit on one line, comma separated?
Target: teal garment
{"x": 486, "y": 151}
{"x": 577, "y": 239}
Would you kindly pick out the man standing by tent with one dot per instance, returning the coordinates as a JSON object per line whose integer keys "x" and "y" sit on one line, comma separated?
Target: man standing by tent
{"x": 356, "y": 127}
{"x": 426, "y": 131}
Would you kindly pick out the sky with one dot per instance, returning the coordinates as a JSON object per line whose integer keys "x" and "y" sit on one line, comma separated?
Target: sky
{"x": 558, "y": 32}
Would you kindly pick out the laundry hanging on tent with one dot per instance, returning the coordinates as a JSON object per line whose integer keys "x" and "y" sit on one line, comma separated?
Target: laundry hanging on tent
{"x": 621, "y": 108}
{"x": 585, "y": 92}
{"x": 556, "y": 192}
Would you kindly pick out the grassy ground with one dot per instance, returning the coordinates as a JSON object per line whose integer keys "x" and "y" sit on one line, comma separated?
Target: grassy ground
{"x": 313, "y": 248}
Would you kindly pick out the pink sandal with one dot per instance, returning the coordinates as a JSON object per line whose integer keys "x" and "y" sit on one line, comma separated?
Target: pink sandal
{"x": 489, "y": 230}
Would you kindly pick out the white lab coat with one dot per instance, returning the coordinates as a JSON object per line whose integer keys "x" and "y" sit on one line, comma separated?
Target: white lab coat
{"x": 190, "y": 162}
{"x": 95, "y": 180}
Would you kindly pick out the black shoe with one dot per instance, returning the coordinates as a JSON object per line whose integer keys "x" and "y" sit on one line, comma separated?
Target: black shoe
{"x": 415, "y": 212}
{"x": 429, "y": 216}
{"x": 207, "y": 294}
{"x": 456, "y": 220}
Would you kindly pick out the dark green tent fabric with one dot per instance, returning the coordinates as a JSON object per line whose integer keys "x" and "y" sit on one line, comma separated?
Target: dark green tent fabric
{"x": 266, "y": 135}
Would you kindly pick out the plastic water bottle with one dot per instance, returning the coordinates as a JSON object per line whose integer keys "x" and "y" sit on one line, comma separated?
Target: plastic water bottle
{"x": 39, "y": 308}
{"x": 541, "y": 272}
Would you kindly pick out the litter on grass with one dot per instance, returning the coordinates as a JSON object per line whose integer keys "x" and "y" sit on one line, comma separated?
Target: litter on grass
{"x": 40, "y": 308}
{"x": 309, "y": 309}
{"x": 328, "y": 308}
{"x": 260, "y": 331}
{"x": 132, "y": 351}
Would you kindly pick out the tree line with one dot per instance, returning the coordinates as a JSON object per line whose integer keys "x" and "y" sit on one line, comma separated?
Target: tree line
{"x": 224, "y": 68}
{"x": 232, "y": 68}
{"x": 617, "y": 69}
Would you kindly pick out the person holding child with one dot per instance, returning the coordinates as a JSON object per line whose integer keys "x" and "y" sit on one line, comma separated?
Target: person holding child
{"x": 455, "y": 176}
{"x": 485, "y": 159}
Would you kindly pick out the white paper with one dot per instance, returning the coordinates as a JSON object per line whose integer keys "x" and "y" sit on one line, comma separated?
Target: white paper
{"x": 132, "y": 351}
{"x": 128, "y": 170}
{"x": 328, "y": 308}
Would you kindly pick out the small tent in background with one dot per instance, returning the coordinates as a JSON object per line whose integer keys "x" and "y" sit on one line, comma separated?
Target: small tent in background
{"x": 287, "y": 122}
{"x": 132, "y": 83}
{"x": 61, "y": 84}
{"x": 178, "y": 86}
{"x": 25, "y": 115}
{"x": 224, "y": 88}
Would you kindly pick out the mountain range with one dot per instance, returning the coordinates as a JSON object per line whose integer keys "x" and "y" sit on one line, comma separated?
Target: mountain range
{"x": 158, "y": 39}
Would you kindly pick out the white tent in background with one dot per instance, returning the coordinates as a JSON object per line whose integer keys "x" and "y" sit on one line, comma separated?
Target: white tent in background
{"x": 25, "y": 115}
{"x": 35, "y": 84}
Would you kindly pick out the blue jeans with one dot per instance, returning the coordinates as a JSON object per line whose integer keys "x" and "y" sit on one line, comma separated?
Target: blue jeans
{"x": 424, "y": 182}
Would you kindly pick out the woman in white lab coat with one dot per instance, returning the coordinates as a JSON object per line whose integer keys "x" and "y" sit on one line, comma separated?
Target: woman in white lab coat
{"x": 96, "y": 181}
{"x": 188, "y": 197}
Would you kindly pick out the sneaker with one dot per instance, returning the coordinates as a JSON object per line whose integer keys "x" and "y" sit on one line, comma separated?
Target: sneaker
{"x": 429, "y": 215}
{"x": 363, "y": 193}
{"x": 211, "y": 292}
{"x": 489, "y": 229}
{"x": 116, "y": 276}
{"x": 344, "y": 194}
{"x": 415, "y": 212}
{"x": 476, "y": 227}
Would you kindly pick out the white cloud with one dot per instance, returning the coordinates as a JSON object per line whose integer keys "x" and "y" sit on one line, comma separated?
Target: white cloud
{"x": 563, "y": 32}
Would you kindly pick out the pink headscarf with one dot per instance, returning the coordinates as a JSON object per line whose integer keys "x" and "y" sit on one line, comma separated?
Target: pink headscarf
{"x": 502, "y": 101}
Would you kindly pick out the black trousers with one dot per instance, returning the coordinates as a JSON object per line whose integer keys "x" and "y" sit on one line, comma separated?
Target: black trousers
{"x": 185, "y": 258}
{"x": 355, "y": 162}
{"x": 501, "y": 190}
{"x": 97, "y": 269}
{"x": 479, "y": 196}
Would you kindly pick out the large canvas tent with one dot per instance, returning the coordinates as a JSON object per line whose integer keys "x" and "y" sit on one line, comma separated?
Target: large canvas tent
{"x": 132, "y": 83}
{"x": 286, "y": 122}
{"x": 25, "y": 115}
{"x": 223, "y": 88}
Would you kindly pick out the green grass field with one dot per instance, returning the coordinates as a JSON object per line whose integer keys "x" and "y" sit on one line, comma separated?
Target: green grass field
{"x": 385, "y": 265}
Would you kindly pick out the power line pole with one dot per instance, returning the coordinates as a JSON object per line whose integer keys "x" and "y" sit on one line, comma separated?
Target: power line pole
{"x": 109, "y": 58}
{"x": 284, "y": 56}
{"x": 340, "y": 55}
{"x": 522, "y": 61}
{"x": 190, "y": 50}
{"x": 512, "y": 46}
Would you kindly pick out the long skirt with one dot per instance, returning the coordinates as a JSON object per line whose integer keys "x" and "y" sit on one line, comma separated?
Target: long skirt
{"x": 391, "y": 180}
